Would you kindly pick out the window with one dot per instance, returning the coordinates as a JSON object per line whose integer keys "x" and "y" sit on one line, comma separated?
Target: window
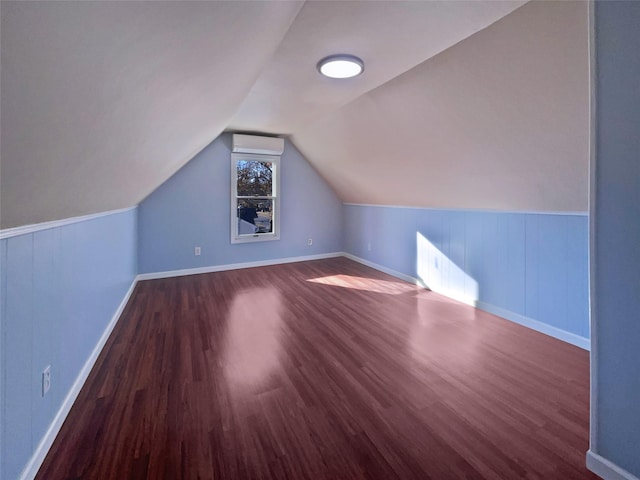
{"x": 255, "y": 213}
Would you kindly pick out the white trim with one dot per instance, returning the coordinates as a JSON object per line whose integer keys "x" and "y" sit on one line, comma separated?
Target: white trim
{"x": 23, "y": 230}
{"x": 473, "y": 210}
{"x": 606, "y": 468}
{"x": 458, "y": 297}
{"x": 38, "y": 456}
{"x": 593, "y": 358}
{"x": 234, "y": 266}
{"x": 536, "y": 325}
{"x": 389, "y": 271}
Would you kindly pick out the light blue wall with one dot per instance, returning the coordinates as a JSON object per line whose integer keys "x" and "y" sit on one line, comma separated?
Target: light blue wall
{"x": 60, "y": 289}
{"x": 192, "y": 209}
{"x": 617, "y": 234}
{"x": 528, "y": 267}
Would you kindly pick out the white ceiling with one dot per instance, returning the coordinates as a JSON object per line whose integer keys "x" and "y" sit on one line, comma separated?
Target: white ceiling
{"x": 499, "y": 121}
{"x": 389, "y": 36}
{"x": 103, "y": 101}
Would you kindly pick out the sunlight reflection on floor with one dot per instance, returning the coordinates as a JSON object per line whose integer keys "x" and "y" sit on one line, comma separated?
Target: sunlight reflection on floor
{"x": 253, "y": 338}
{"x": 368, "y": 284}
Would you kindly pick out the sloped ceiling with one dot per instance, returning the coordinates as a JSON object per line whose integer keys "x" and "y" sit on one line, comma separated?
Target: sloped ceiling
{"x": 103, "y": 101}
{"x": 499, "y": 121}
{"x": 389, "y": 36}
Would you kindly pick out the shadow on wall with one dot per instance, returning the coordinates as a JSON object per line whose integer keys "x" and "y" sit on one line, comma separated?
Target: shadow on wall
{"x": 438, "y": 273}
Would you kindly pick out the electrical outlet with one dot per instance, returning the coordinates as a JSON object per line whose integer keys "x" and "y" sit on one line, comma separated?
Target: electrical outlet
{"x": 310, "y": 242}
{"x": 368, "y": 247}
{"x": 197, "y": 251}
{"x": 46, "y": 380}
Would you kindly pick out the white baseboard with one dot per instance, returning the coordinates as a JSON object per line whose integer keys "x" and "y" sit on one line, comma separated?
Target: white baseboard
{"x": 607, "y": 469}
{"x": 31, "y": 469}
{"x": 536, "y": 325}
{"x": 458, "y": 297}
{"x": 416, "y": 281}
{"x": 389, "y": 271}
{"x": 541, "y": 327}
{"x": 235, "y": 266}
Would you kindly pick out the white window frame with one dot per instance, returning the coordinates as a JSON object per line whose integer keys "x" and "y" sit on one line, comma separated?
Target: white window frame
{"x": 275, "y": 198}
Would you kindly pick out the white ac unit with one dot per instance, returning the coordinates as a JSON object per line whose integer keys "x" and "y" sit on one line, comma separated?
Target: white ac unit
{"x": 257, "y": 145}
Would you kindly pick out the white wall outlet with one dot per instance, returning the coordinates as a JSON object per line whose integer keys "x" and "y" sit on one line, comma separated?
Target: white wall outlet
{"x": 310, "y": 241}
{"x": 368, "y": 247}
{"x": 46, "y": 380}
{"x": 197, "y": 251}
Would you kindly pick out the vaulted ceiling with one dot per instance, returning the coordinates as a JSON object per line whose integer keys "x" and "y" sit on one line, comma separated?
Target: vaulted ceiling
{"x": 103, "y": 101}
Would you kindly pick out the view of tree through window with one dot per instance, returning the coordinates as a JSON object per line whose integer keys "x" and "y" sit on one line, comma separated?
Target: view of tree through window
{"x": 255, "y": 197}
{"x": 255, "y": 178}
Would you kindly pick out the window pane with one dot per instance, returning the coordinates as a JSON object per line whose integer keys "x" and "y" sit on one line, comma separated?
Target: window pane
{"x": 255, "y": 178}
{"x": 255, "y": 216}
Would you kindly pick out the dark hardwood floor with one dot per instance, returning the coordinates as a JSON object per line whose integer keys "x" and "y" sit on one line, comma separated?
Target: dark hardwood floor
{"x": 322, "y": 370}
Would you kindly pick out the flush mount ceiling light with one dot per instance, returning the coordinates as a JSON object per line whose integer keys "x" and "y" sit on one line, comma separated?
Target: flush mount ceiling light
{"x": 340, "y": 66}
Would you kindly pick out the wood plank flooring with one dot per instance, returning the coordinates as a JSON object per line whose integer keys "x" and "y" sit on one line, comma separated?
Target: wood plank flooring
{"x": 322, "y": 370}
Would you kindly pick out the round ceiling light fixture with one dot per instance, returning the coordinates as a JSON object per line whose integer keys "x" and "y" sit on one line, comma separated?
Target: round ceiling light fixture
{"x": 341, "y": 66}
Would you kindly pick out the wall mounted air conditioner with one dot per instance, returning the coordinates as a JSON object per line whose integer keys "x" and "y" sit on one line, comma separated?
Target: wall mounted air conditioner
{"x": 257, "y": 145}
